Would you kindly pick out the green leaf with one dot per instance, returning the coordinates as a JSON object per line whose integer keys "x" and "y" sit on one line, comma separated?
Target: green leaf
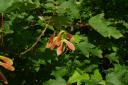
{"x": 85, "y": 48}
{"x": 59, "y": 72}
{"x": 49, "y": 6}
{"x": 77, "y": 38}
{"x": 58, "y": 81}
{"x": 37, "y": 63}
{"x": 37, "y": 2}
{"x": 4, "y": 4}
{"x": 113, "y": 79}
{"x": 96, "y": 76}
{"x": 91, "y": 82}
{"x": 22, "y": 6}
{"x": 118, "y": 76}
{"x": 69, "y": 7}
{"x": 113, "y": 57}
{"x": 88, "y": 48}
{"x": 77, "y": 77}
{"x": 7, "y": 29}
{"x": 103, "y": 27}
{"x": 97, "y": 52}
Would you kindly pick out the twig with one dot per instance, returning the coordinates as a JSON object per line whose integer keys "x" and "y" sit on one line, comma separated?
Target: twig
{"x": 37, "y": 41}
{"x": 2, "y": 29}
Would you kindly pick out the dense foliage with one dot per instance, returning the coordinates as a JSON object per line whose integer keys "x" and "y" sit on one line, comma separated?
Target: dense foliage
{"x": 65, "y": 42}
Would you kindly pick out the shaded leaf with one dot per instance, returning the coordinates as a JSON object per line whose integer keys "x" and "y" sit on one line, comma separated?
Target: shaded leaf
{"x": 59, "y": 72}
{"x": 88, "y": 48}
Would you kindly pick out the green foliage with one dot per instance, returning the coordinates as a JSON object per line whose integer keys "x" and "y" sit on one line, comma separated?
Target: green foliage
{"x": 96, "y": 75}
{"x": 78, "y": 77}
{"x": 118, "y": 76}
{"x": 104, "y": 27}
{"x": 4, "y": 4}
{"x": 56, "y": 82}
{"x": 89, "y": 49}
{"x": 99, "y": 31}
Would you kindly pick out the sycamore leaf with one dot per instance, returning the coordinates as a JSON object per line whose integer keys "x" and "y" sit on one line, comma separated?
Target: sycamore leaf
{"x": 7, "y": 29}
{"x": 96, "y": 76}
{"x": 118, "y": 76}
{"x": 69, "y": 7}
{"x": 87, "y": 48}
{"x": 104, "y": 27}
{"x": 96, "y": 52}
{"x": 4, "y": 4}
{"x": 59, "y": 72}
{"x": 58, "y": 81}
{"x": 77, "y": 77}
{"x": 113, "y": 57}
{"x": 77, "y": 38}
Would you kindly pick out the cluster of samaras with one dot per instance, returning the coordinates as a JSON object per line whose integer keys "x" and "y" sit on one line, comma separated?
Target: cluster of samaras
{"x": 62, "y": 41}
{"x": 6, "y": 63}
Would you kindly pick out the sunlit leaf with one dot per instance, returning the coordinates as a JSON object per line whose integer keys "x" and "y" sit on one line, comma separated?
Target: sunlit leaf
{"x": 78, "y": 77}
{"x": 96, "y": 76}
{"x": 104, "y": 27}
{"x": 58, "y": 81}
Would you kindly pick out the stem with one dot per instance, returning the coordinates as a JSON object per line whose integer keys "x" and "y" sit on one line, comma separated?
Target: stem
{"x": 2, "y": 29}
{"x": 37, "y": 41}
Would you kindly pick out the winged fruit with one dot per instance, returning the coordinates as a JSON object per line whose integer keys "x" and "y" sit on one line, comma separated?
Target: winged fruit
{"x": 59, "y": 40}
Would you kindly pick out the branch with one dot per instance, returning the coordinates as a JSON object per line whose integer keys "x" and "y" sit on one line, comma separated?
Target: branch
{"x": 2, "y": 29}
{"x": 37, "y": 41}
